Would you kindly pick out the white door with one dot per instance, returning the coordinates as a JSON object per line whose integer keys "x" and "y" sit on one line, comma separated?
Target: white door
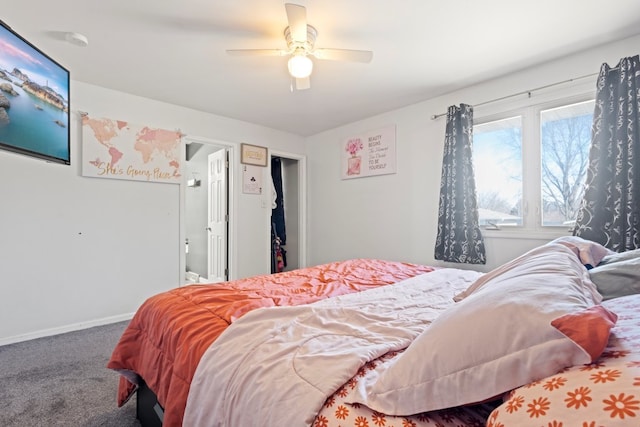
{"x": 217, "y": 217}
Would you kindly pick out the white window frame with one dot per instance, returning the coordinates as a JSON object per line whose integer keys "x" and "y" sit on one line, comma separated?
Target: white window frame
{"x": 531, "y": 168}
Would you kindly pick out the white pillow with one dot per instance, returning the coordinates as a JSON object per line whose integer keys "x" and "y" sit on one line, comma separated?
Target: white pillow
{"x": 498, "y": 338}
{"x": 590, "y": 253}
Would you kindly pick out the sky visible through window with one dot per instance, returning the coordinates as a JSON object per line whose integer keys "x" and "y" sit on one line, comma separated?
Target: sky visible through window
{"x": 497, "y": 158}
{"x": 559, "y": 172}
{"x": 565, "y": 142}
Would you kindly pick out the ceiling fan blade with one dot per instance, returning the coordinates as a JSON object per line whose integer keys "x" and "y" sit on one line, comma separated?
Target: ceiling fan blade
{"x": 297, "y": 17}
{"x": 256, "y": 52}
{"x": 344, "y": 55}
{"x": 302, "y": 84}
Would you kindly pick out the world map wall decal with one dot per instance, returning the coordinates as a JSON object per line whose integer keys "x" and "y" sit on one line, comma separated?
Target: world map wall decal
{"x": 117, "y": 149}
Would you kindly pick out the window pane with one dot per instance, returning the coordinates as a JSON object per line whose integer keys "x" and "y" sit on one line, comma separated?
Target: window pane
{"x": 565, "y": 141}
{"x": 497, "y": 160}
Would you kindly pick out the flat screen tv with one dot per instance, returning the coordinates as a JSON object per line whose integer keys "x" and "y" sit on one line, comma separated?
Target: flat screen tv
{"x": 34, "y": 100}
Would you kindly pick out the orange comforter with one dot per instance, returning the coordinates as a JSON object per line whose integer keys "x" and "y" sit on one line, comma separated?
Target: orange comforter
{"x": 166, "y": 338}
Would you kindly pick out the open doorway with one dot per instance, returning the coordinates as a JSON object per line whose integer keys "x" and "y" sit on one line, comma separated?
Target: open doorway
{"x": 207, "y": 194}
{"x": 288, "y": 213}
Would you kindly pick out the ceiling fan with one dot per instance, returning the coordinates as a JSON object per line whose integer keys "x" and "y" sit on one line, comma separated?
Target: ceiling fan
{"x": 301, "y": 39}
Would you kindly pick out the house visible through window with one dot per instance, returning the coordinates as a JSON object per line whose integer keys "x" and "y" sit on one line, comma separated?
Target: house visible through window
{"x": 530, "y": 167}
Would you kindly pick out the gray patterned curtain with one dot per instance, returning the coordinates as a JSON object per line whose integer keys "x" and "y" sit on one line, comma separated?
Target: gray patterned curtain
{"x": 459, "y": 238}
{"x": 610, "y": 210}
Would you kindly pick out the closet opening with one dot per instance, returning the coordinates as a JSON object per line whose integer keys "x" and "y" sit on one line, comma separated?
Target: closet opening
{"x": 287, "y": 213}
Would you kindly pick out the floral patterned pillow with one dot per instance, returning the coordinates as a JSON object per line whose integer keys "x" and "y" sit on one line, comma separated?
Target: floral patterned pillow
{"x": 603, "y": 393}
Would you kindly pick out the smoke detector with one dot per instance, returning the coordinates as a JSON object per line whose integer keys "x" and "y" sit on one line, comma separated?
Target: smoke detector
{"x": 77, "y": 39}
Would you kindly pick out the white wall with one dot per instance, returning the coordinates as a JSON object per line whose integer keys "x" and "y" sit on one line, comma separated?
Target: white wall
{"x": 394, "y": 216}
{"x": 78, "y": 251}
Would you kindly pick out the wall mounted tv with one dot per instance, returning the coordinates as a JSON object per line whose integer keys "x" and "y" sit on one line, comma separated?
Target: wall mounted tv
{"x": 34, "y": 100}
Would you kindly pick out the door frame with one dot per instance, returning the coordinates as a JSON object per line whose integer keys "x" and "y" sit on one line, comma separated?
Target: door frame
{"x": 302, "y": 201}
{"x": 231, "y": 206}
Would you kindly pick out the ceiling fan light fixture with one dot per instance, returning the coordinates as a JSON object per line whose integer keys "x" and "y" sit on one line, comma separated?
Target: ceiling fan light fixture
{"x": 301, "y": 41}
{"x": 300, "y": 66}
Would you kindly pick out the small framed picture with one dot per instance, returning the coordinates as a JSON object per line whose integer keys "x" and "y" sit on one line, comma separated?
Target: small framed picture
{"x": 252, "y": 179}
{"x": 253, "y": 155}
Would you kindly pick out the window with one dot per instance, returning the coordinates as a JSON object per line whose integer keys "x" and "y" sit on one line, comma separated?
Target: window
{"x": 536, "y": 159}
{"x": 565, "y": 138}
{"x": 497, "y": 158}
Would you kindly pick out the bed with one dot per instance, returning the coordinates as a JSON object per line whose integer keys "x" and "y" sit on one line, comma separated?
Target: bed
{"x": 160, "y": 348}
{"x": 380, "y": 343}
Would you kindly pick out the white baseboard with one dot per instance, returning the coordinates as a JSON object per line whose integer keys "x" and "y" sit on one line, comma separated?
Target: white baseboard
{"x": 65, "y": 329}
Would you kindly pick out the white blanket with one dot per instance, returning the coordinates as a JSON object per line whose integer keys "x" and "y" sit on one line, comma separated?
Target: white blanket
{"x": 276, "y": 366}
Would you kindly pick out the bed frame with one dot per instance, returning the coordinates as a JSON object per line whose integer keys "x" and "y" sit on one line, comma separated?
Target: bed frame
{"x": 148, "y": 410}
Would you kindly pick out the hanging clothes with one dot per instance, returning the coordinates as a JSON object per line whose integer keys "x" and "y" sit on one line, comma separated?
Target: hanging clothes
{"x": 274, "y": 195}
{"x": 278, "y": 229}
{"x": 278, "y": 253}
{"x": 277, "y": 213}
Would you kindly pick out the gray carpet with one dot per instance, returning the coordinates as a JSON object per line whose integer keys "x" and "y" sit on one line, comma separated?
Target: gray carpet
{"x": 62, "y": 381}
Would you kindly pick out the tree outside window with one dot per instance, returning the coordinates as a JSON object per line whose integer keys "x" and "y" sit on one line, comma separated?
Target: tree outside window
{"x": 565, "y": 141}
{"x": 554, "y": 164}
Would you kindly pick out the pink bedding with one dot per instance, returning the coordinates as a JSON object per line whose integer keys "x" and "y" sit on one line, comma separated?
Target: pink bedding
{"x": 285, "y": 370}
{"x": 280, "y": 364}
{"x": 169, "y": 333}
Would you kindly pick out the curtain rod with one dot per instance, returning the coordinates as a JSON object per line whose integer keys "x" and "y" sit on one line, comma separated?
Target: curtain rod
{"x": 525, "y": 92}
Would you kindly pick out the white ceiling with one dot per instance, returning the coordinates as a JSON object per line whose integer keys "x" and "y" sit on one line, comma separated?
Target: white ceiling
{"x": 174, "y": 51}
